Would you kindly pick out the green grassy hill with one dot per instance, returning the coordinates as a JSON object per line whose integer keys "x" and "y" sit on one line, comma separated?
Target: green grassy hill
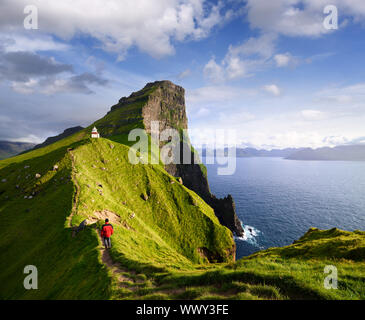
{"x": 168, "y": 229}
{"x": 168, "y": 243}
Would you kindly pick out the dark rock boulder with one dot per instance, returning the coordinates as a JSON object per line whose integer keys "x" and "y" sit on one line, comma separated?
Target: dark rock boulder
{"x": 225, "y": 209}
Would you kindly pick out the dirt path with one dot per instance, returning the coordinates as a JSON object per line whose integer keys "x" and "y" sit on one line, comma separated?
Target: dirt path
{"x": 118, "y": 271}
{"x": 115, "y": 268}
{"x": 126, "y": 278}
{"x": 77, "y": 193}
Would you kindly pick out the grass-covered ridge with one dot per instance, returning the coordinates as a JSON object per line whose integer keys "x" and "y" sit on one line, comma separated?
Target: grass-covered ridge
{"x": 34, "y": 231}
{"x": 160, "y": 224}
{"x": 170, "y": 223}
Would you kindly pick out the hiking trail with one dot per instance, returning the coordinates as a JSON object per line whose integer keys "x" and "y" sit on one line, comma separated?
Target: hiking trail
{"x": 77, "y": 191}
{"x": 116, "y": 269}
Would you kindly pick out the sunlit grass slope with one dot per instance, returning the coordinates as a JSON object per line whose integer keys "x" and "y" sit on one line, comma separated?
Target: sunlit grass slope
{"x": 160, "y": 224}
{"x": 170, "y": 222}
{"x": 33, "y": 232}
{"x": 292, "y": 272}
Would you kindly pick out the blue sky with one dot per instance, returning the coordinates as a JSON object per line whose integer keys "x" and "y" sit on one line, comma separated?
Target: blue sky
{"x": 269, "y": 70}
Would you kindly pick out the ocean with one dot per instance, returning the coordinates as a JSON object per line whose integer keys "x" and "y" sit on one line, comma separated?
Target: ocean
{"x": 278, "y": 200}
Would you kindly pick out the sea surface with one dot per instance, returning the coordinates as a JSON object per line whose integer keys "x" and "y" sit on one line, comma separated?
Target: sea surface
{"x": 278, "y": 200}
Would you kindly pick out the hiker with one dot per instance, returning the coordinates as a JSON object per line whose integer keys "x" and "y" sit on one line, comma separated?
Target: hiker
{"x": 106, "y": 232}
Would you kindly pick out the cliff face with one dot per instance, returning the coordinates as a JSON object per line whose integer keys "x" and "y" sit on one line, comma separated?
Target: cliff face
{"x": 164, "y": 101}
{"x": 165, "y": 104}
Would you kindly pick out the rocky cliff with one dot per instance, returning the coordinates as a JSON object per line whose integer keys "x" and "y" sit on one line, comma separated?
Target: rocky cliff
{"x": 164, "y": 101}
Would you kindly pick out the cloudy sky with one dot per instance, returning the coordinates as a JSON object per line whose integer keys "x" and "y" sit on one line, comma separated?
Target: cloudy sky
{"x": 268, "y": 69}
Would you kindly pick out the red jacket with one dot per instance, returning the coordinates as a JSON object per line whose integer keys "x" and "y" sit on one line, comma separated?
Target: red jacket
{"x": 107, "y": 230}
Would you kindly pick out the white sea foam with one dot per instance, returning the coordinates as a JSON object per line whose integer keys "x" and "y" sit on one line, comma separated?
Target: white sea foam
{"x": 250, "y": 235}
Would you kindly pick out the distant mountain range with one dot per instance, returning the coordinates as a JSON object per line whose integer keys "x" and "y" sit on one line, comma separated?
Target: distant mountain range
{"x": 252, "y": 152}
{"x": 339, "y": 153}
{"x": 9, "y": 149}
{"x": 64, "y": 134}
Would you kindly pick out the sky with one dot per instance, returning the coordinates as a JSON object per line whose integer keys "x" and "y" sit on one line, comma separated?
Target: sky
{"x": 273, "y": 71}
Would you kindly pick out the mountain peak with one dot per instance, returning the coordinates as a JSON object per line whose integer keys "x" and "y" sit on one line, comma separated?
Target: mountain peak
{"x": 161, "y": 101}
{"x": 162, "y": 83}
{"x": 164, "y": 101}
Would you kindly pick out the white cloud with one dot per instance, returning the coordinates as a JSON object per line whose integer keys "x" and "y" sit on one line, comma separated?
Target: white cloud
{"x": 284, "y": 17}
{"x": 247, "y": 58}
{"x": 216, "y": 95}
{"x": 294, "y": 139}
{"x": 263, "y": 47}
{"x": 347, "y": 96}
{"x": 182, "y": 75}
{"x": 282, "y": 60}
{"x": 274, "y": 18}
{"x": 273, "y": 89}
{"x": 31, "y": 138}
{"x": 19, "y": 42}
{"x": 213, "y": 71}
{"x": 24, "y": 87}
{"x": 202, "y": 113}
{"x": 299, "y": 17}
{"x": 313, "y": 115}
{"x": 236, "y": 68}
{"x": 285, "y": 60}
{"x": 356, "y": 89}
{"x": 242, "y": 60}
{"x": 151, "y": 26}
{"x": 233, "y": 119}
{"x": 332, "y": 141}
{"x": 282, "y": 123}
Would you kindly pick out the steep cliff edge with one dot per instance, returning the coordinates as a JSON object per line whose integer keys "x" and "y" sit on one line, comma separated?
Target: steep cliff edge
{"x": 163, "y": 101}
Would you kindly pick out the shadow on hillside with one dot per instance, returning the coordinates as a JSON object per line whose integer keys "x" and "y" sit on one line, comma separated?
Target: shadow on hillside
{"x": 286, "y": 284}
{"x": 33, "y": 232}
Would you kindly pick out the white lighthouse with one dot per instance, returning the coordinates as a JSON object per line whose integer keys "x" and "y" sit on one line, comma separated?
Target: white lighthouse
{"x": 95, "y": 133}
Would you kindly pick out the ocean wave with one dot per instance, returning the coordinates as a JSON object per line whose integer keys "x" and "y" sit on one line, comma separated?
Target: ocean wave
{"x": 250, "y": 235}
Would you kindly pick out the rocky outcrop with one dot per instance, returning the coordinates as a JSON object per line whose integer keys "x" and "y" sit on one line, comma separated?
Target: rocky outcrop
{"x": 166, "y": 104}
{"x": 225, "y": 210}
{"x": 212, "y": 257}
{"x": 163, "y": 101}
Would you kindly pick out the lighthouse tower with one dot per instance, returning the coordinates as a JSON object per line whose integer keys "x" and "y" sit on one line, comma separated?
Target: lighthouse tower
{"x": 95, "y": 133}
